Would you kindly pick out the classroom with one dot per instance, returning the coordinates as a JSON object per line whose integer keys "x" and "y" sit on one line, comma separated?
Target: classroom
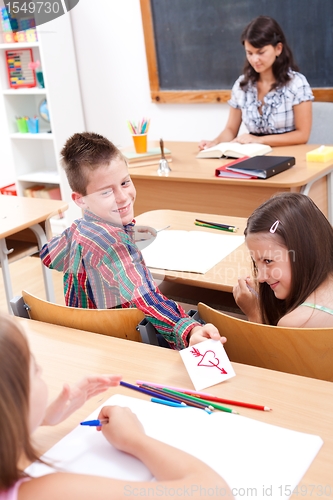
{"x": 99, "y": 75}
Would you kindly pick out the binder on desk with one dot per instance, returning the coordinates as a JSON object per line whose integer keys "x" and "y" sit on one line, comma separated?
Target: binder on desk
{"x": 264, "y": 167}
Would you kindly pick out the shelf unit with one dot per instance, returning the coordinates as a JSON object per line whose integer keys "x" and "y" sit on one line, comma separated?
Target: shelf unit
{"x": 34, "y": 158}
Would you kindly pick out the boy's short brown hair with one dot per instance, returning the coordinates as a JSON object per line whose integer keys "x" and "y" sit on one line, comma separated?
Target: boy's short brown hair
{"x": 83, "y": 153}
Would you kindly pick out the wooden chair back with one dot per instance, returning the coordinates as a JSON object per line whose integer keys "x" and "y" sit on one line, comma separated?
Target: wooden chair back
{"x": 301, "y": 351}
{"x": 121, "y": 323}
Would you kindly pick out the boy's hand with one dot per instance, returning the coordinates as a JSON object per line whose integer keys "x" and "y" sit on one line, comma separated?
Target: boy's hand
{"x": 72, "y": 398}
{"x": 205, "y": 332}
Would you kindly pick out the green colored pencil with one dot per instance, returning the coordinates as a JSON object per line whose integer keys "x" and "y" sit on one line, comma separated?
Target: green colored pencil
{"x": 209, "y": 403}
{"x": 210, "y": 226}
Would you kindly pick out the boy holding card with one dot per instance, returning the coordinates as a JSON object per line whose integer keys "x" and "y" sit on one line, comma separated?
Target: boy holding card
{"x": 102, "y": 266}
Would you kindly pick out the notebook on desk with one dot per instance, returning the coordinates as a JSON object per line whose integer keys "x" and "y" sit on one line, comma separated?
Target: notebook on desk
{"x": 251, "y": 455}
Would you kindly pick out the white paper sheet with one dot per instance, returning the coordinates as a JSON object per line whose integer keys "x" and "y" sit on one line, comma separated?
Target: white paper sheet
{"x": 256, "y": 459}
{"x": 191, "y": 251}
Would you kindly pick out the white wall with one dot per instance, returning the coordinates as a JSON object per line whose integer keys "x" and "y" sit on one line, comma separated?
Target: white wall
{"x": 114, "y": 78}
{"x": 112, "y": 67}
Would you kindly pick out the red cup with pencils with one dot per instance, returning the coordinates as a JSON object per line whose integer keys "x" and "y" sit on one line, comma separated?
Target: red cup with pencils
{"x": 139, "y": 133}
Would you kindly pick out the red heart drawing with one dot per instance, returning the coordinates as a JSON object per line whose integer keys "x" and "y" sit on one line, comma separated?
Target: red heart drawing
{"x": 209, "y": 359}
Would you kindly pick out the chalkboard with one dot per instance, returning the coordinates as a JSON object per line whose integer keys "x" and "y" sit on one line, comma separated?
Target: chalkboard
{"x": 193, "y": 46}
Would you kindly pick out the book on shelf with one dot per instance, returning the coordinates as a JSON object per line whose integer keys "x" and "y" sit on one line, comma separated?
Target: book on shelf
{"x": 235, "y": 150}
{"x": 230, "y": 174}
{"x": 264, "y": 167}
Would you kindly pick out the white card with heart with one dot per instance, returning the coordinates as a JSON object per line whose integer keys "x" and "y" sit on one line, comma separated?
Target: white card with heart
{"x": 207, "y": 364}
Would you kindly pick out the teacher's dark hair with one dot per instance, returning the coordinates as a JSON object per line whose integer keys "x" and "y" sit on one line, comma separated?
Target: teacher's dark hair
{"x": 308, "y": 236}
{"x": 264, "y": 31}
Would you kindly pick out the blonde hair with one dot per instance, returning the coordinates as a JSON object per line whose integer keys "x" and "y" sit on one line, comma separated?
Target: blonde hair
{"x": 14, "y": 401}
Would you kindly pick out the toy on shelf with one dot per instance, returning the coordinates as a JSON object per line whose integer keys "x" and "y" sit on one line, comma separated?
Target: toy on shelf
{"x": 20, "y": 75}
{"x": 16, "y": 30}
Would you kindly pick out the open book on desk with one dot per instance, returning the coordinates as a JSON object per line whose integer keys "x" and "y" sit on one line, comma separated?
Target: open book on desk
{"x": 191, "y": 251}
{"x": 250, "y": 455}
{"x": 235, "y": 150}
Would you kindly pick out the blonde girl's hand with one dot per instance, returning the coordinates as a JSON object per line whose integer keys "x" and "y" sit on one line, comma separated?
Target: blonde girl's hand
{"x": 124, "y": 430}
{"x": 72, "y": 398}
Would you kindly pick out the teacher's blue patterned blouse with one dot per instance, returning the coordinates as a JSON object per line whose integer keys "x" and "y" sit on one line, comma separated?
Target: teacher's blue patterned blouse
{"x": 277, "y": 109}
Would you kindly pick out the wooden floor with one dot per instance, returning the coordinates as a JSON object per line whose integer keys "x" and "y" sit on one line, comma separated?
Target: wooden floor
{"x": 26, "y": 274}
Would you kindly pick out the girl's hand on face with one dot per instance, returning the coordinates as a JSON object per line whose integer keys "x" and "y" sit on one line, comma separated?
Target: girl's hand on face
{"x": 246, "y": 298}
{"x": 124, "y": 430}
{"x": 72, "y": 398}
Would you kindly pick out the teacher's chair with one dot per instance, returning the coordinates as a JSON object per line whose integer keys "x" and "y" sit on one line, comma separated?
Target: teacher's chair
{"x": 322, "y": 123}
{"x": 301, "y": 351}
{"x": 121, "y": 323}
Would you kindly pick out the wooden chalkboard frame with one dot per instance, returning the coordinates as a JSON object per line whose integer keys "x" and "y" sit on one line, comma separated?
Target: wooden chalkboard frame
{"x": 189, "y": 96}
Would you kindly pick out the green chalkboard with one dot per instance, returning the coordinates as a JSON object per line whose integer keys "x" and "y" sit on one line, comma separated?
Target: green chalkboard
{"x": 197, "y": 42}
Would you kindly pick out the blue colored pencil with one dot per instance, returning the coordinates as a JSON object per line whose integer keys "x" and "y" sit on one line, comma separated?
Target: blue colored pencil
{"x": 148, "y": 392}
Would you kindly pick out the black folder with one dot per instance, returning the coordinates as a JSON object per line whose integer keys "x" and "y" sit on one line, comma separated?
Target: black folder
{"x": 264, "y": 166}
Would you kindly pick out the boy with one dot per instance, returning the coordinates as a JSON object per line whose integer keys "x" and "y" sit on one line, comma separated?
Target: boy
{"x": 102, "y": 266}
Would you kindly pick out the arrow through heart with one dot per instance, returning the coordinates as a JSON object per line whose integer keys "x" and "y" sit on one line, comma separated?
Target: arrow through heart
{"x": 210, "y": 360}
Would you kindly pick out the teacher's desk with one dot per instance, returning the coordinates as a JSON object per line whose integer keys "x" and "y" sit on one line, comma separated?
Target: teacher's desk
{"x": 192, "y": 185}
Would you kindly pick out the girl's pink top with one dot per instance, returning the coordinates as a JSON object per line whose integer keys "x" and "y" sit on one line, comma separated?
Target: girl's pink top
{"x": 11, "y": 494}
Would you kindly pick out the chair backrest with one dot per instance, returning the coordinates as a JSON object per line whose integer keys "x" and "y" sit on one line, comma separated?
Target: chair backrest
{"x": 121, "y": 323}
{"x": 301, "y": 351}
{"x": 322, "y": 123}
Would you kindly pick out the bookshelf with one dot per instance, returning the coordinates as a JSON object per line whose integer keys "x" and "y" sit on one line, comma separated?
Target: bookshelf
{"x": 34, "y": 158}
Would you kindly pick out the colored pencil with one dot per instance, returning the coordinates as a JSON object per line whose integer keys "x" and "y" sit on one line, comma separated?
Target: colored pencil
{"x": 235, "y": 403}
{"x": 204, "y": 395}
{"x": 168, "y": 403}
{"x": 179, "y": 389}
{"x": 218, "y": 224}
{"x": 181, "y": 398}
{"x": 210, "y": 226}
{"x": 209, "y": 403}
{"x": 150, "y": 392}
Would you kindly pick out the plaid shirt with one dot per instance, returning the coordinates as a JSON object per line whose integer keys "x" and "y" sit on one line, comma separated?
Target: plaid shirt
{"x": 103, "y": 268}
{"x": 277, "y": 109}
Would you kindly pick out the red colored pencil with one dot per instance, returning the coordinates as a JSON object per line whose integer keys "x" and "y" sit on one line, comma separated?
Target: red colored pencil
{"x": 236, "y": 403}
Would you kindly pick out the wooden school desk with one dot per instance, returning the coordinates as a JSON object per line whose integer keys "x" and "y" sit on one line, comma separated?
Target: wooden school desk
{"x": 192, "y": 185}
{"x": 215, "y": 286}
{"x": 24, "y": 229}
{"x": 298, "y": 403}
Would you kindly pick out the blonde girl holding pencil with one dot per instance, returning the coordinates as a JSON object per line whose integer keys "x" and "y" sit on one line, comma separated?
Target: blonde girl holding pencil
{"x": 23, "y": 407}
{"x": 291, "y": 246}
